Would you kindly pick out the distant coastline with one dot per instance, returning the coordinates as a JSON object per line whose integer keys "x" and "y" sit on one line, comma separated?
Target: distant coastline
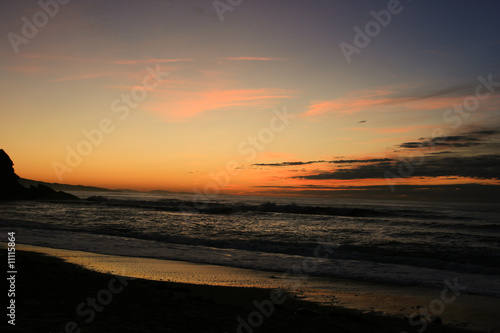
{"x": 440, "y": 193}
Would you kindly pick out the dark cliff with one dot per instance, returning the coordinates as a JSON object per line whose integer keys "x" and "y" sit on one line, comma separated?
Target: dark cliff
{"x": 10, "y": 189}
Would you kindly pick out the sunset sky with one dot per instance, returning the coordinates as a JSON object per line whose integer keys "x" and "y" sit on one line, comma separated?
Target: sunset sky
{"x": 170, "y": 94}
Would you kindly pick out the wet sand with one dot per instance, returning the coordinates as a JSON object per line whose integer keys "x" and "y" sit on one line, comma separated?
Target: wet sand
{"x": 466, "y": 311}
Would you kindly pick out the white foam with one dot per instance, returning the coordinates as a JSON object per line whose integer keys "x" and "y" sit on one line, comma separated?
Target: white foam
{"x": 488, "y": 285}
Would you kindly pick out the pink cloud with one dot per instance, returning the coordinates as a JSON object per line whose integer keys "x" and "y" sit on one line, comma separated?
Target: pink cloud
{"x": 180, "y": 105}
{"x": 382, "y": 99}
{"x": 353, "y": 102}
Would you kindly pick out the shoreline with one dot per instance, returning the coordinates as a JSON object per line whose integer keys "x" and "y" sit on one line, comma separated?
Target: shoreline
{"x": 468, "y": 311}
{"x": 349, "y": 269}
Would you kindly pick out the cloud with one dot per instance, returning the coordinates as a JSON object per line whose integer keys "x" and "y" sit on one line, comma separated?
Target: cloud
{"x": 479, "y": 167}
{"x": 370, "y": 160}
{"x": 441, "y": 152}
{"x": 470, "y": 139}
{"x": 353, "y": 102}
{"x": 285, "y": 164}
{"x": 363, "y": 100}
{"x": 180, "y": 105}
{"x": 433, "y": 142}
{"x": 435, "y": 164}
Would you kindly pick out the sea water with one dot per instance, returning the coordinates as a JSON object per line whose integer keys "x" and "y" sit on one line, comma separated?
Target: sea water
{"x": 397, "y": 242}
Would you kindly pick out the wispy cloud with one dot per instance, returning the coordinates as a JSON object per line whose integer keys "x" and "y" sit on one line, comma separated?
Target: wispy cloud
{"x": 384, "y": 98}
{"x": 297, "y": 163}
{"x": 284, "y": 164}
{"x": 464, "y": 140}
{"x": 181, "y": 105}
{"x": 353, "y": 102}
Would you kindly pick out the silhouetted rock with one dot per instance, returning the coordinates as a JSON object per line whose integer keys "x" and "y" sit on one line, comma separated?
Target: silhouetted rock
{"x": 9, "y": 181}
{"x": 10, "y": 189}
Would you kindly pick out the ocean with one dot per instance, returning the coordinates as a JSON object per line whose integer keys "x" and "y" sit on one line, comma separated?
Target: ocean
{"x": 396, "y": 242}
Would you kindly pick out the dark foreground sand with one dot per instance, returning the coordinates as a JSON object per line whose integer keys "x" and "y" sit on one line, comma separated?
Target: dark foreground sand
{"x": 57, "y": 296}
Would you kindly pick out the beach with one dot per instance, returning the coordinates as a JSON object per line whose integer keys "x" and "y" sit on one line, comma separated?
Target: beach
{"x": 253, "y": 266}
{"x": 167, "y": 295}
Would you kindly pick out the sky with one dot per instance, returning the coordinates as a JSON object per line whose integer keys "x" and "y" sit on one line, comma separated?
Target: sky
{"x": 323, "y": 97}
